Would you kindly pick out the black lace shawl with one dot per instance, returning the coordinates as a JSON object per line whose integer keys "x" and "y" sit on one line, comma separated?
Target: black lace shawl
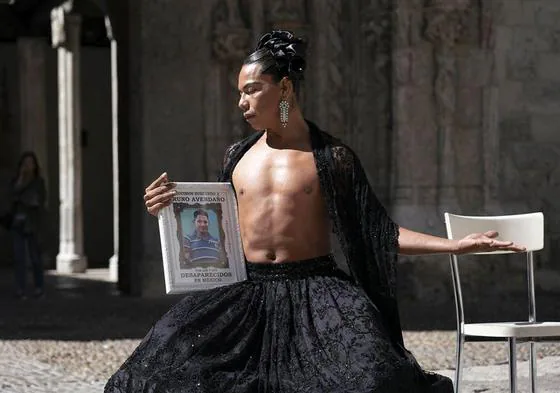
{"x": 367, "y": 235}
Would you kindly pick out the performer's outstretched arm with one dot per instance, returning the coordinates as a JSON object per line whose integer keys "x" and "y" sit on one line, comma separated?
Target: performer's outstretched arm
{"x": 416, "y": 243}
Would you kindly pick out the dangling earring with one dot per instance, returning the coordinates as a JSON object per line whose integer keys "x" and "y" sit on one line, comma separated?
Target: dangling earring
{"x": 284, "y": 108}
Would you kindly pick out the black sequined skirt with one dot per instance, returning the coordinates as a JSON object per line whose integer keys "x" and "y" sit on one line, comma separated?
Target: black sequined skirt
{"x": 291, "y": 327}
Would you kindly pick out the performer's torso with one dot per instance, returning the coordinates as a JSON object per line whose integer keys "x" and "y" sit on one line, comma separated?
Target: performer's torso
{"x": 281, "y": 210}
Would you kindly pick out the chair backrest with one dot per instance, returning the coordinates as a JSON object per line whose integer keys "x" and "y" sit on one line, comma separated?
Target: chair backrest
{"x": 523, "y": 229}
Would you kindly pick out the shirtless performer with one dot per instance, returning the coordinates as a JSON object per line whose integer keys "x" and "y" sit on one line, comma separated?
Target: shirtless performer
{"x": 298, "y": 324}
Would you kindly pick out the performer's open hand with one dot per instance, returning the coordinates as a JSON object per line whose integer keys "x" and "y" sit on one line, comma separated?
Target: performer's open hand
{"x": 159, "y": 194}
{"x": 485, "y": 242}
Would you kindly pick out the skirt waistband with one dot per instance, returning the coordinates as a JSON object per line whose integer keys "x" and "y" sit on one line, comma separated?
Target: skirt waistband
{"x": 319, "y": 266}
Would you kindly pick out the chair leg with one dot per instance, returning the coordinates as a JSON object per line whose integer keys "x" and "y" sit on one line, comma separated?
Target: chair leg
{"x": 533, "y": 370}
{"x": 512, "y": 365}
{"x": 459, "y": 361}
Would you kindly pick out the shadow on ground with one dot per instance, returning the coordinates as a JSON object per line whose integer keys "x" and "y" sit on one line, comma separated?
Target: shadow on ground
{"x": 77, "y": 308}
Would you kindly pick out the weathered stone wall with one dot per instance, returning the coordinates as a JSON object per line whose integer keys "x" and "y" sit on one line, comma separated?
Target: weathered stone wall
{"x": 184, "y": 65}
{"x": 170, "y": 58}
{"x": 489, "y": 73}
{"x": 451, "y": 106}
{"x": 444, "y": 143}
{"x": 527, "y": 71}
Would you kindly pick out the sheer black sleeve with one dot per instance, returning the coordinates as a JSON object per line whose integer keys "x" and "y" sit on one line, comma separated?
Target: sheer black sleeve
{"x": 234, "y": 153}
{"x": 228, "y": 155}
{"x": 367, "y": 235}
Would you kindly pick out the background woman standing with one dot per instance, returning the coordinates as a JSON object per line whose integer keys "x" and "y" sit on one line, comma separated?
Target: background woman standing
{"x": 27, "y": 192}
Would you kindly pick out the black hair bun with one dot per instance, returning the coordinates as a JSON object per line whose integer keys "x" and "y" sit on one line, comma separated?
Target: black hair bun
{"x": 288, "y": 51}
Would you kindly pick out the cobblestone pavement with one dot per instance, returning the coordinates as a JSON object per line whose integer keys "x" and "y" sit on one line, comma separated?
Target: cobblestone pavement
{"x": 76, "y": 337}
{"x": 23, "y": 374}
{"x": 494, "y": 379}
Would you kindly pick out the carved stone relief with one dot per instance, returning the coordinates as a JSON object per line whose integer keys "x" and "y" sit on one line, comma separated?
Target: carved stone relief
{"x": 444, "y": 26}
{"x": 231, "y": 34}
{"x": 411, "y": 120}
{"x": 236, "y": 24}
{"x": 377, "y": 27}
{"x": 231, "y": 42}
{"x": 287, "y": 14}
{"x": 409, "y": 19}
{"x": 333, "y": 57}
{"x": 490, "y": 106}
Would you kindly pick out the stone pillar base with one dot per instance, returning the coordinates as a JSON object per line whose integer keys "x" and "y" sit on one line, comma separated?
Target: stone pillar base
{"x": 71, "y": 263}
{"x": 114, "y": 268}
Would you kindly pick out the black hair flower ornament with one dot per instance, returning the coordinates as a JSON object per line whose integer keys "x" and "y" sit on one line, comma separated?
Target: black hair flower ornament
{"x": 288, "y": 51}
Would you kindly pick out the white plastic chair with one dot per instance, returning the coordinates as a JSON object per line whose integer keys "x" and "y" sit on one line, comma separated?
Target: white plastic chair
{"x": 523, "y": 229}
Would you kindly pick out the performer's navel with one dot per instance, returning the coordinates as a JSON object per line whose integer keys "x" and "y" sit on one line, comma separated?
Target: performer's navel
{"x": 271, "y": 255}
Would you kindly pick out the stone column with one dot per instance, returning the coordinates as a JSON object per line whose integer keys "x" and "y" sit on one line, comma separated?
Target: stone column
{"x": 32, "y": 53}
{"x": 66, "y": 38}
{"x": 114, "y": 260}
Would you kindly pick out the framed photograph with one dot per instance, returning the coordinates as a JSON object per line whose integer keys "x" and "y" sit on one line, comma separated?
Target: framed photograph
{"x": 200, "y": 240}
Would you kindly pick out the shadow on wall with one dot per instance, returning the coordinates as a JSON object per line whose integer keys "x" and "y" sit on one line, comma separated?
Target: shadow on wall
{"x": 495, "y": 291}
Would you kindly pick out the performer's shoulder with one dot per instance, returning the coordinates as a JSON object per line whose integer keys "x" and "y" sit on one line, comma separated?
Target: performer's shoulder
{"x": 335, "y": 144}
{"x": 342, "y": 151}
{"x": 241, "y": 142}
{"x": 233, "y": 147}
{"x": 343, "y": 156}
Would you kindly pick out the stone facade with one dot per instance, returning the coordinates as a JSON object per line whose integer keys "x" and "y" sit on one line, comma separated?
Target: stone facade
{"x": 451, "y": 105}
{"x": 527, "y": 51}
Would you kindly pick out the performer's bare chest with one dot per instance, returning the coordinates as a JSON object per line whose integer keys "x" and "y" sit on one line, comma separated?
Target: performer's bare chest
{"x": 265, "y": 172}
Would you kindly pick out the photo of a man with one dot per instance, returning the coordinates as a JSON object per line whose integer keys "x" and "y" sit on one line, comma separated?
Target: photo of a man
{"x": 200, "y": 246}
